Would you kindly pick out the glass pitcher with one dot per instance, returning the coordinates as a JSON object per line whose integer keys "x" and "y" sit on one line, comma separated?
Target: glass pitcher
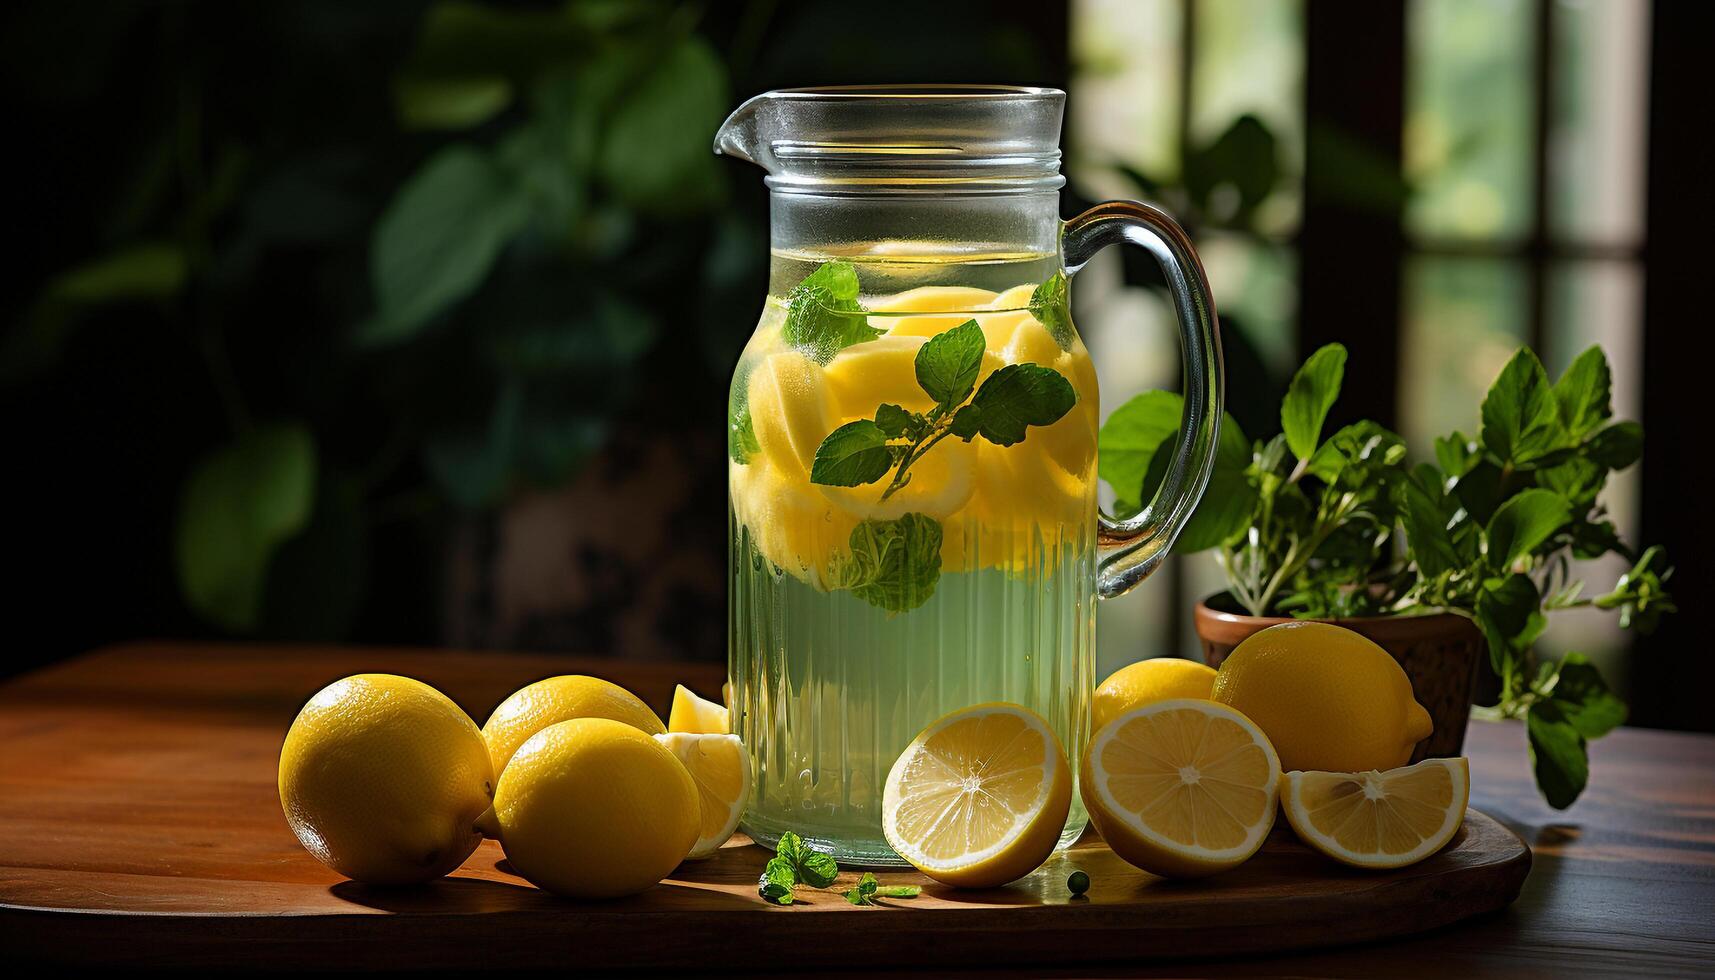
{"x": 912, "y": 433}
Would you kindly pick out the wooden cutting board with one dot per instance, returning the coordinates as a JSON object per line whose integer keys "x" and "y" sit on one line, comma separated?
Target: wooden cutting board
{"x": 142, "y": 828}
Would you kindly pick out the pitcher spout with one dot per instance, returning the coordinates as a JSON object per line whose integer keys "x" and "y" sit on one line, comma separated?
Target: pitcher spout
{"x": 738, "y": 136}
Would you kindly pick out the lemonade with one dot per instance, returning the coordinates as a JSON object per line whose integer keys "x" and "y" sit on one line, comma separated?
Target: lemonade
{"x": 912, "y": 494}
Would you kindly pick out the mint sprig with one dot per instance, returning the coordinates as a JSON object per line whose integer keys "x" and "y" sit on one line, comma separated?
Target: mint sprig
{"x": 893, "y": 565}
{"x": 1049, "y": 305}
{"x": 867, "y": 890}
{"x": 795, "y": 863}
{"x": 823, "y": 315}
{"x": 947, "y": 365}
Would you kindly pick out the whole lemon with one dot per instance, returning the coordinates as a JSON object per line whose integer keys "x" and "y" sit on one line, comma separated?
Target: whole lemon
{"x": 536, "y": 706}
{"x": 1327, "y": 698}
{"x": 1146, "y": 682}
{"x": 383, "y": 778}
{"x": 594, "y": 808}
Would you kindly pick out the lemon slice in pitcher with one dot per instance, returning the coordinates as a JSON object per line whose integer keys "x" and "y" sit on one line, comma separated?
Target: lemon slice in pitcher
{"x": 1181, "y": 788}
{"x": 789, "y": 410}
{"x": 939, "y": 484}
{"x": 954, "y": 301}
{"x": 1378, "y": 819}
{"x": 979, "y": 798}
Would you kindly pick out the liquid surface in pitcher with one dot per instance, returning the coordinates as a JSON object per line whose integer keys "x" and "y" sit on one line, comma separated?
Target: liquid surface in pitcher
{"x": 861, "y": 613}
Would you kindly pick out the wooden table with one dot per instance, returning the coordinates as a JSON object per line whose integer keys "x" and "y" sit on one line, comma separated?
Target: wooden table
{"x": 138, "y": 779}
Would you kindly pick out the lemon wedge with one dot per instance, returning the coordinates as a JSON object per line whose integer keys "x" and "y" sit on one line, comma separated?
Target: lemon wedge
{"x": 721, "y": 769}
{"x": 1182, "y": 788}
{"x": 691, "y": 713}
{"x": 1378, "y": 819}
{"x": 979, "y": 797}
{"x": 790, "y": 410}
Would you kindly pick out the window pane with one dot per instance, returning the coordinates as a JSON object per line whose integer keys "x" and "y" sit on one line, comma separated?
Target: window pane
{"x": 1249, "y": 58}
{"x": 1125, "y": 108}
{"x": 1599, "y": 302}
{"x": 1468, "y": 120}
{"x": 1601, "y": 107}
{"x": 1464, "y": 318}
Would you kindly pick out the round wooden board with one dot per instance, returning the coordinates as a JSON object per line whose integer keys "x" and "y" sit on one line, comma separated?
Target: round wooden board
{"x": 142, "y": 827}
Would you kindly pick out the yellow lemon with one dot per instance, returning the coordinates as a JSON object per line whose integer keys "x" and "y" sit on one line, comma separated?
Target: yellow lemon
{"x": 383, "y": 778}
{"x": 961, "y": 300}
{"x": 790, "y": 410}
{"x": 1031, "y": 343}
{"x": 1146, "y": 682}
{"x": 999, "y": 327}
{"x": 536, "y": 706}
{"x": 793, "y": 526}
{"x": 878, "y": 372}
{"x": 940, "y": 483}
{"x": 691, "y": 713}
{"x": 1071, "y": 441}
{"x": 1023, "y": 508}
{"x": 1181, "y": 788}
{"x": 979, "y": 797}
{"x": 594, "y": 808}
{"x": 720, "y": 767}
{"x": 1327, "y": 697}
{"x": 1378, "y": 819}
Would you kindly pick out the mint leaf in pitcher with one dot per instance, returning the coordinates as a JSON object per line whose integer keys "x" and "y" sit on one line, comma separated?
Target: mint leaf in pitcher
{"x": 823, "y": 315}
{"x": 1048, "y": 304}
{"x": 852, "y": 455}
{"x": 1021, "y": 395}
{"x": 894, "y": 565}
{"x": 947, "y": 364}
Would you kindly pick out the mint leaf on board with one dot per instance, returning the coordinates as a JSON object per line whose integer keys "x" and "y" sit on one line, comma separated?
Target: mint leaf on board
{"x": 777, "y": 880}
{"x": 894, "y": 565}
{"x": 1309, "y": 398}
{"x": 852, "y": 455}
{"x": 823, "y": 315}
{"x": 893, "y": 421}
{"x": 862, "y": 893}
{"x": 1583, "y": 393}
{"x": 1522, "y": 523}
{"x": 1021, "y": 395}
{"x": 1050, "y": 306}
{"x": 1521, "y": 417}
{"x": 791, "y": 849}
{"x": 818, "y": 870}
{"x": 1584, "y": 699}
{"x": 1558, "y": 754}
{"x": 948, "y": 362}
{"x": 899, "y": 891}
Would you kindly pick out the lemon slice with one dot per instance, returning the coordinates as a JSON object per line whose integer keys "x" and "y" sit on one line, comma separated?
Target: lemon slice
{"x": 1378, "y": 819}
{"x": 695, "y": 714}
{"x": 720, "y": 767}
{"x": 999, "y": 327}
{"x": 941, "y": 482}
{"x": 880, "y": 371}
{"x": 790, "y": 410}
{"x": 979, "y": 798}
{"x": 791, "y": 524}
{"x": 1182, "y": 788}
{"x": 954, "y": 301}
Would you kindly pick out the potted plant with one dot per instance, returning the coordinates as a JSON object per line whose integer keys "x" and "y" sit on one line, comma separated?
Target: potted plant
{"x": 1438, "y": 560}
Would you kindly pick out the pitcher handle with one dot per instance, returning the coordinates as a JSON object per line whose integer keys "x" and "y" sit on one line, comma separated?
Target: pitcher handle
{"x": 1130, "y": 550}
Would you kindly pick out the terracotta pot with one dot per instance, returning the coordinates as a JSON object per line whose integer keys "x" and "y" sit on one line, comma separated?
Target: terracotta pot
{"x": 1439, "y": 653}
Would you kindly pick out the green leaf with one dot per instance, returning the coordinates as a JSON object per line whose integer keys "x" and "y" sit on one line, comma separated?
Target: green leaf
{"x": 852, "y": 455}
{"x": 898, "y": 891}
{"x": 1020, "y": 395}
{"x": 823, "y": 315}
{"x": 237, "y": 507}
{"x": 1363, "y": 448}
{"x": 967, "y": 422}
{"x": 1558, "y": 754}
{"x": 791, "y": 848}
{"x": 1522, "y": 523}
{"x": 428, "y": 103}
{"x": 153, "y": 270}
{"x": 318, "y": 577}
{"x": 1050, "y": 305}
{"x": 863, "y": 892}
{"x": 777, "y": 880}
{"x": 818, "y": 870}
{"x": 948, "y": 362}
{"x": 1456, "y": 454}
{"x": 1584, "y": 698}
{"x": 1578, "y": 479}
{"x": 1521, "y": 418}
{"x": 473, "y": 463}
{"x": 1424, "y": 512}
{"x": 1128, "y": 442}
{"x": 438, "y": 239}
{"x": 1509, "y": 610}
{"x": 1229, "y": 501}
{"x": 1309, "y": 398}
{"x": 1582, "y": 393}
{"x": 1617, "y": 446}
{"x": 893, "y": 565}
{"x": 741, "y": 442}
{"x": 655, "y": 155}
{"x": 894, "y": 421}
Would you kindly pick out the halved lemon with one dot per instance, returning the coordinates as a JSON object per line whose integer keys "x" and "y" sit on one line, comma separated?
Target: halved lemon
{"x": 1378, "y": 819}
{"x": 979, "y": 798}
{"x": 1181, "y": 788}
{"x": 691, "y": 713}
{"x": 720, "y": 767}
